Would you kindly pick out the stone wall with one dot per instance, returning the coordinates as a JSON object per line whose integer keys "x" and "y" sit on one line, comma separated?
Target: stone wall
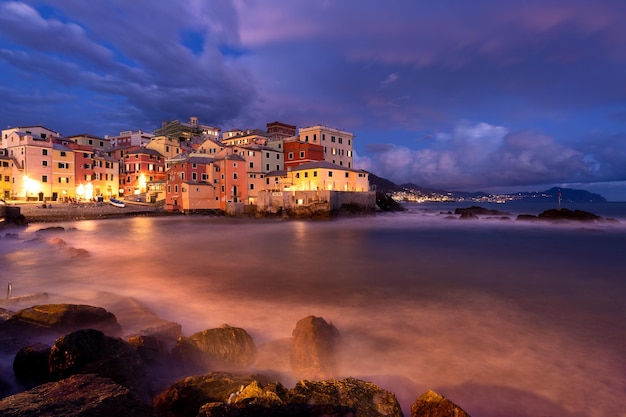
{"x": 313, "y": 203}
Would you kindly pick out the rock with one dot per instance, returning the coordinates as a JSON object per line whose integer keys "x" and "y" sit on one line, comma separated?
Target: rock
{"x": 58, "y": 319}
{"x": 166, "y": 331}
{"x": 225, "y": 348}
{"x": 314, "y": 348}
{"x": 526, "y": 217}
{"x": 31, "y": 365}
{"x": 565, "y": 214}
{"x": 385, "y": 203}
{"x": 364, "y": 398}
{"x": 91, "y": 351}
{"x": 76, "y": 396}
{"x": 431, "y": 404}
{"x": 287, "y": 410}
{"x": 185, "y": 397}
{"x": 474, "y": 211}
{"x": 5, "y": 314}
{"x": 51, "y": 229}
{"x": 468, "y": 216}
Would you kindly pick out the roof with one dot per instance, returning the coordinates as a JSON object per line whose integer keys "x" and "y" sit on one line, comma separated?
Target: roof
{"x": 323, "y": 165}
{"x": 143, "y": 151}
{"x": 61, "y": 147}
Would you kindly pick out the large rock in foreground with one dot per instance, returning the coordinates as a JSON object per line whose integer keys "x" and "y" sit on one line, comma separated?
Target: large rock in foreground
{"x": 315, "y": 343}
{"x": 91, "y": 351}
{"x": 224, "y": 348}
{"x": 185, "y": 397}
{"x": 431, "y": 404}
{"x": 221, "y": 394}
{"x": 365, "y": 398}
{"x": 77, "y": 396}
{"x": 58, "y": 319}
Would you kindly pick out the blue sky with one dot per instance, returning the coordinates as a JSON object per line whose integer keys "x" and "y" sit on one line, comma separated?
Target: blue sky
{"x": 484, "y": 95}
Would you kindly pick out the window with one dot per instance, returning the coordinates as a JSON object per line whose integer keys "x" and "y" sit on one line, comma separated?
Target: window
{"x": 267, "y": 154}
{"x": 223, "y": 189}
{"x": 315, "y": 173}
{"x": 43, "y": 152}
{"x": 277, "y": 156}
{"x": 101, "y": 144}
{"x": 182, "y": 176}
{"x": 290, "y": 155}
{"x": 306, "y": 175}
{"x": 7, "y": 178}
{"x": 330, "y": 173}
{"x": 251, "y": 164}
{"x": 63, "y": 165}
{"x": 169, "y": 188}
{"x": 301, "y": 154}
{"x": 347, "y": 175}
{"x": 332, "y": 139}
{"x": 194, "y": 166}
{"x": 194, "y": 176}
{"x": 205, "y": 177}
{"x": 44, "y": 178}
{"x": 176, "y": 188}
{"x": 323, "y": 136}
{"x": 314, "y": 137}
{"x": 297, "y": 175}
{"x": 62, "y": 153}
{"x": 267, "y": 167}
{"x": 235, "y": 176}
{"x": 340, "y": 140}
{"x": 44, "y": 163}
{"x": 90, "y": 142}
{"x": 252, "y": 186}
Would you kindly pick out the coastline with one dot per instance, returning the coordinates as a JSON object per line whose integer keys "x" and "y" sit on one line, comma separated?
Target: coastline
{"x": 59, "y": 212}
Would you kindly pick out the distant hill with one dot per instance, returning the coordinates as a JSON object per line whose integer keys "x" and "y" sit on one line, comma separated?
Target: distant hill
{"x": 568, "y": 195}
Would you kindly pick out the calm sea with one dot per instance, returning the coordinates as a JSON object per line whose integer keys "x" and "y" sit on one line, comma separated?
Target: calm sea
{"x": 505, "y": 318}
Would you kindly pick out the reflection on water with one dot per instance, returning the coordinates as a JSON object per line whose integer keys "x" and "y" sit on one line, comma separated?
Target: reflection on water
{"x": 503, "y": 318}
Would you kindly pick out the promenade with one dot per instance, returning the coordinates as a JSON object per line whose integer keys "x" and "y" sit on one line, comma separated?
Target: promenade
{"x": 56, "y": 212}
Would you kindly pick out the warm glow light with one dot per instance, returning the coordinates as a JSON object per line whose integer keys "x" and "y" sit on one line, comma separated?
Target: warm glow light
{"x": 80, "y": 190}
{"x": 31, "y": 186}
{"x": 89, "y": 191}
{"x": 142, "y": 183}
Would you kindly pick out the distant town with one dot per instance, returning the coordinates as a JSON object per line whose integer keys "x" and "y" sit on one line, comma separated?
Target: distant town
{"x": 187, "y": 166}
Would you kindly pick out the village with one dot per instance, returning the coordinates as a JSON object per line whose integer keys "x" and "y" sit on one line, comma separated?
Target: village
{"x": 187, "y": 167}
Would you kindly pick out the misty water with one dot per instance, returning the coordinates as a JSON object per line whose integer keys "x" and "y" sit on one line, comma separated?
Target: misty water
{"x": 502, "y": 317}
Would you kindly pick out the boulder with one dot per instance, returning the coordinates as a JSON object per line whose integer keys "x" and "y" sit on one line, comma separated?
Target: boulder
{"x": 30, "y": 365}
{"x": 224, "y": 348}
{"x": 364, "y": 398}
{"x": 431, "y": 404}
{"x": 185, "y": 397}
{"x": 287, "y": 410}
{"x": 91, "y": 351}
{"x": 314, "y": 348}
{"x": 76, "y": 396}
{"x": 58, "y": 319}
{"x": 475, "y": 211}
{"x": 565, "y": 214}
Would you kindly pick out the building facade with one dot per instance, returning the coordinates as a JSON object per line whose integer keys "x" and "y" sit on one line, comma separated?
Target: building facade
{"x": 338, "y": 144}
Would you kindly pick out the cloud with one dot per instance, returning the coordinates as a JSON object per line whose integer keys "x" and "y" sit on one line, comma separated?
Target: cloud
{"x": 481, "y": 155}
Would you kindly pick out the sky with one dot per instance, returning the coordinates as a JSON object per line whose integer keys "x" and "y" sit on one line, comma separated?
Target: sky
{"x": 482, "y": 95}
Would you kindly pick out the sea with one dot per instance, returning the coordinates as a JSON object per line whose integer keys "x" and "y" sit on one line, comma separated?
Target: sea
{"x": 503, "y": 317}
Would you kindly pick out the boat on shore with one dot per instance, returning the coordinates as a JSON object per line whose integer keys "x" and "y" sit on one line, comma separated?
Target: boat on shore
{"x": 117, "y": 203}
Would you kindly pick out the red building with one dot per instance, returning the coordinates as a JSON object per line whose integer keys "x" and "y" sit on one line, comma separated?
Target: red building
{"x": 297, "y": 153}
{"x": 142, "y": 166}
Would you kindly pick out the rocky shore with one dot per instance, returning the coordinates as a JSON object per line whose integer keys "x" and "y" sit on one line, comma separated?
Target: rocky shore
{"x": 73, "y": 360}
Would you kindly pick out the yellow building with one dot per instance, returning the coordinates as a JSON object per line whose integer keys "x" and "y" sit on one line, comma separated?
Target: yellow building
{"x": 320, "y": 175}
{"x": 6, "y": 177}
{"x": 63, "y": 172}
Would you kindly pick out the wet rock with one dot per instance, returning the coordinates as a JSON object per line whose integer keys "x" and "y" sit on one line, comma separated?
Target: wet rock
{"x": 565, "y": 214}
{"x": 222, "y": 348}
{"x": 76, "y": 396}
{"x": 58, "y": 319}
{"x": 166, "y": 331}
{"x": 91, "y": 351}
{"x": 51, "y": 229}
{"x": 5, "y": 314}
{"x": 475, "y": 211}
{"x": 526, "y": 217}
{"x": 431, "y": 404}
{"x": 185, "y": 397}
{"x": 314, "y": 348}
{"x": 78, "y": 252}
{"x": 30, "y": 365}
{"x": 365, "y": 398}
{"x": 287, "y": 410}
